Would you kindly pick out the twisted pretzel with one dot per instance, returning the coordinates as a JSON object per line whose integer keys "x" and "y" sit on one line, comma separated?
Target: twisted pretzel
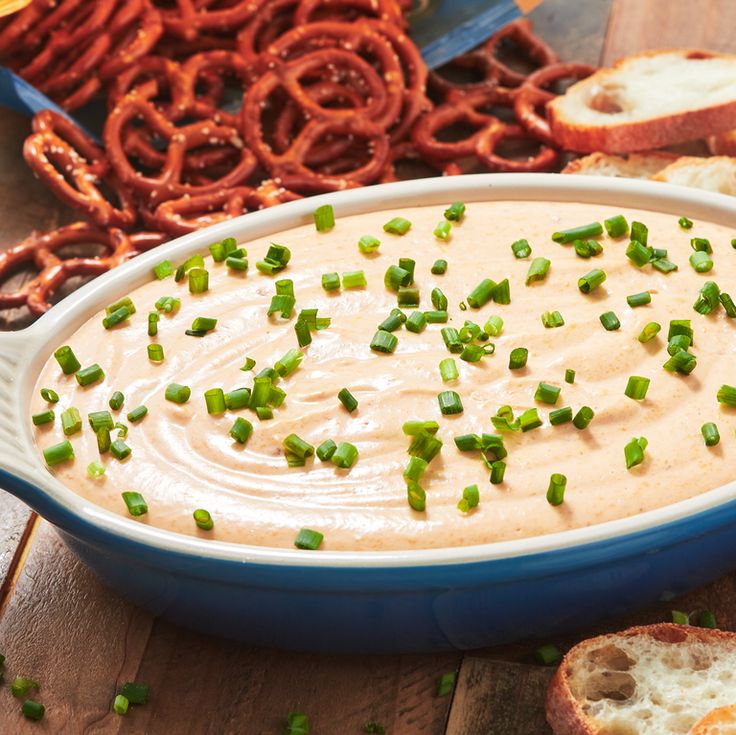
{"x": 407, "y": 152}
{"x": 489, "y": 139}
{"x": 310, "y": 11}
{"x": 191, "y": 18}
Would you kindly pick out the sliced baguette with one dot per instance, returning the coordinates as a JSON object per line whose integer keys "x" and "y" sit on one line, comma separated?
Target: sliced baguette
{"x": 721, "y": 721}
{"x": 633, "y": 166}
{"x": 717, "y": 173}
{"x": 651, "y": 100}
{"x": 648, "y": 680}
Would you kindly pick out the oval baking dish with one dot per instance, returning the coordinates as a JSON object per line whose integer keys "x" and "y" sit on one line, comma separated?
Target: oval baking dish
{"x": 463, "y": 597}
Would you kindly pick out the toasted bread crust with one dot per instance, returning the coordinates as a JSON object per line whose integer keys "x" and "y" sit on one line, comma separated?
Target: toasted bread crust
{"x": 565, "y": 714}
{"x": 642, "y": 134}
{"x": 643, "y": 163}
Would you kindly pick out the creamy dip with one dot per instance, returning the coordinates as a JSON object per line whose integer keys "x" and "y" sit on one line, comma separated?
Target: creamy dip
{"x": 183, "y": 459}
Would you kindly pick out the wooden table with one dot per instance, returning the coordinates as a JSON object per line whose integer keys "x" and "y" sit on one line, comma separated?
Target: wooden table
{"x": 81, "y": 641}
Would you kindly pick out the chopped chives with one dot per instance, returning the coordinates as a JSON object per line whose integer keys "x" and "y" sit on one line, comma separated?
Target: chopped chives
{"x": 261, "y": 392}
{"x": 637, "y": 387}
{"x": 467, "y": 442}
{"x": 680, "y": 326}
{"x": 610, "y": 321}
{"x": 249, "y": 364}
{"x": 498, "y": 470}
{"x": 163, "y": 270}
{"x": 726, "y": 395}
{"x": 583, "y": 417}
{"x": 32, "y": 710}
{"x": 616, "y": 226}
{"x": 120, "y": 704}
{"x": 22, "y": 685}
{"x": 442, "y": 230}
{"x": 67, "y": 360}
{"x": 348, "y": 400}
{"x": 296, "y": 445}
{"x": 708, "y": 299}
{"x": 264, "y": 412}
{"x": 552, "y": 319}
{"x": 156, "y": 352}
{"x": 103, "y": 440}
{"x": 277, "y": 258}
{"x": 685, "y": 223}
{"x": 707, "y": 619}
{"x": 634, "y": 452}
{"x": 326, "y": 450}
{"x": 481, "y": 294}
{"x": 95, "y": 470}
{"x": 195, "y": 261}
{"x": 494, "y": 326}
{"x": 383, "y": 342}
{"x": 474, "y": 353}
{"x": 282, "y": 303}
{"x": 135, "y": 503}
{"x": 649, "y": 332}
{"x": 639, "y": 299}
{"x": 547, "y": 393}
{"x": 451, "y": 338}
{"x": 122, "y": 430}
{"x": 354, "y": 279}
{"x": 469, "y": 331}
{"x": 241, "y": 430}
{"x": 425, "y": 445}
{"x": 436, "y": 317}
{"x": 639, "y": 232}
{"x": 450, "y": 403}
{"x": 663, "y": 265}
{"x": 199, "y": 280}
{"x": 276, "y": 397}
{"x": 71, "y": 421}
{"x": 177, "y": 393}
{"x": 397, "y": 226}
{"x": 89, "y": 375}
{"x": 439, "y": 267}
{"x": 502, "y": 292}
{"x": 396, "y": 276}
{"x": 236, "y": 264}
{"x": 455, "y": 212}
{"x": 408, "y": 296}
{"x": 538, "y": 270}
{"x": 44, "y": 417}
{"x": 368, "y": 244}
{"x": 439, "y": 300}
{"x": 416, "y": 496}
{"x": 682, "y": 362}
{"x": 135, "y": 693}
{"x": 638, "y": 253}
{"x": 303, "y": 335}
{"x": 330, "y": 281}
{"x": 116, "y": 400}
{"x": 560, "y": 416}
{"x": 345, "y": 455}
{"x": 116, "y": 317}
{"x": 529, "y": 420}
{"x": 590, "y": 281}
{"x": 214, "y": 399}
{"x": 308, "y": 540}
{"x": 728, "y": 305}
{"x": 578, "y": 233}
{"x": 168, "y": 304}
{"x": 504, "y": 420}
{"x": 701, "y": 244}
{"x": 556, "y": 489}
{"x": 521, "y": 249}
{"x": 220, "y": 250}
{"x": 678, "y": 342}
{"x": 324, "y": 218}
{"x": 658, "y": 253}
{"x": 701, "y": 261}
{"x": 587, "y": 248}
{"x": 710, "y": 434}
{"x": 49, "y": 395}
{"x": 393, "y": 321}
{"x": 153, "y": 318}
{"x": 203, "y": 519}
{"x": 448, "y": 370}
{"x": 569, "y": 376}
{"x": 120, "y": 450}
{"x": 518, "y": 358}
{"x": 100, "y": 419}
{"x": 445, "y": 684}
{"x": 548, "y": 654}
{"x": 126, "y": 301}
{"x": 415, "y": 469}
{"x": 58, "y": 453}
{"x": 289, "y": 362}
{"x": 416, "y": 322}
{"x": 470, "y": 499}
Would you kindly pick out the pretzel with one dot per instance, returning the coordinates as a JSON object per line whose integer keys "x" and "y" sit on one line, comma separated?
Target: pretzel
{"x": 270, "y": 20}
{"x": 180, "y": 216}
{"x": 488, "y": 140}
{"x": 407, "y": 152}
{"x": 40, "y": 249}
{"x": 532, "y": 95}
{"x": 310, "y": 11}
{"x": 191, "y": 18}
{"x": 72, "y": 166}
{"x": 479, "y": 63}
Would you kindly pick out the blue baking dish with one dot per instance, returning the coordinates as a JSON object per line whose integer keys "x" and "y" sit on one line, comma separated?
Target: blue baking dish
{"x": 454, "y": 598}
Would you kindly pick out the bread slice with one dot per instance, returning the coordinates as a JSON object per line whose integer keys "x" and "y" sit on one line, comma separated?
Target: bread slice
{"x": 648, "y": 680}
{"x": 723, "y": 144}
{"x": 721, "y": 721}
{"x": 651, "y": 100}
{"x": 717, "y": 173}
{"x": 633, "y": 166}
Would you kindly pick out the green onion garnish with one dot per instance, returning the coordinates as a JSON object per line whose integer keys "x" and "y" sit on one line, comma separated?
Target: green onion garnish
{"x": 502, "y": 292}
{"x": 220, "y": 250}
{"x": 100, "y": 419}
{"x": 556, "y": 489}
{"x": 178, "y": 393}
{"x": 710, "y": 434}
{"x": 104, "y": 442}
{"x": 195, "y": 261}
{"x": 439, "y": 267}
{"x": 119, "y": 304}
{"x": 395, "y": 277}
{"x": 637, "y": 387}
{"x": 680, "y": 326}
{"x": 95, "y": 470}
{"x": 494, "y": 326}
{"x": 498, "y": 470}
{"x": 324, "y": 218}
{"x": 638, "y": 253}
{"x": 547, "y": 393}
{"x": 199, "y": 280}
{"x": 682, "y": 362}
{"x": 639, "y": 299}
{"x": 330, "y": 281}
{"x": 249, "y": 364}
{"x": 236, "y": 264}
{"x": 264, "y": 412}
{"x": 89, "y": 375}
{"x": 303, "y": 335}
{"x": 155, "y": 352}
{"x": 537, "y": 270}
{"x": 122, "y": 430}
{"x": 663, "y": 265}
{"x": 120, "y": 704}
{"x": 120, "y": 450}
{"x": 610, "y": 321}
{"x": 680, "y": 618}
{"x": 116, "y": 401}
{"x": 442, "y": 231}
{"x": 58, "y": 453}
{"x": 707, "y": 619}
{"x": 214, "y": 399}
{"x": 436, "y": 317}
{"x": 560, "y": 416}
{"x": 241, "y": 430}
{"x": 116, "y": 317}
{"x": 578, "y": 233}
{"x": 408, "y": 296}
{"x": 451, "y": 338}
{"x": 67, "y": 360}
{"x": 583, "y": 417}
{"x": 283, "y": 304}
{"x": 168, "y": 304}
{"x": 678, "y": 342}
{"x": 649, "y": 332}
{"x": 135, "y": 693}
{"x": 136, "y": 506}
{"x": 397, "y": 226}
{"x": 153, "y": 319}
{"x": 354, "y": 279}
{"x": 412, "y": 428}
{"x": 701, "y": 244}
{"x": 383, "y": 342}
{"x": 49, "y": 395}
{"x": 634, "y": 452}
{"x": 548, "y": 654}
{"x": 368, "y": 244}
{"x": 32, "y": 710}
{"x": 590, "y": 281}
{"x": 569, "y": 376}
{"x": 416, "y": 322}
{"x": 348, "y": 400}
{"x": 481, "y": 294}
{"x": 22, "y": 685}
{"x": 474, "y": 353}
{"x": 455, "y": 212}
{"x": 552, "y": 319}
{"x": 518, "y": 358}
{"x": 439, "y": 300}
{"x": 44, "y": 417}
{"x": 467, "y": 442}
{"x": 289, "y": 362}
{"x": 203, "y": 519}
{"x": 71, "y": 421}
{"x": 163, "y": 270}
{"x": 726, "y": 395}
{"x": 326, "y": 450}
{"x": 469, "y": 331}
{"x": 345, "y": 455}
{"x": 616, "y": 226}
{"x": 297, "y": 446}
{"x": 685, "y": 223}
{"x": 240, "y": 398}
{"x": 275, "y": 261}
{"x": 708, "y": 299}
{"x": 445, "y": 684}
{"x": 470, "y": 499}
{"x": 448, "y": 370}
{"x": 521, "y": 249}
{"x": 393, "y": 321}
{"x": 728, "y": 305}
{"x": 701, "y": 261}
{"x": 450, "y": 403}
{"x": 310, "y": 541}
{"x": 530, "y": 419}
{"x": 415, "y": 469}
{"x": 639, "y": 232}
{"x": 587, "y": 248}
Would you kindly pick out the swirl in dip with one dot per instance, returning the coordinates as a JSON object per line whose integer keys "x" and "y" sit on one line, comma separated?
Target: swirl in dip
{"x": 184, "y": 458}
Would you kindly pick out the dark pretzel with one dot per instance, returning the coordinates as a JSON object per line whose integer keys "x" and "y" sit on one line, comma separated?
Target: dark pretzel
{"x": 72, "y": 166}
{"x": 496, "y": 133}
{"x": 532, "y": 95}
{"x": 310, "y": 11}
{"x": 194, "y": 17}
{"x": 479, "y": 62}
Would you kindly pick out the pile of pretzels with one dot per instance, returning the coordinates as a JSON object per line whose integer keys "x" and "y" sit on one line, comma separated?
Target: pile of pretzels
{"x": 220, "y": 107}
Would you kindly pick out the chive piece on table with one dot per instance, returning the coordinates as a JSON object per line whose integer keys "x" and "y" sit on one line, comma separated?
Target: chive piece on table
{"x": 308, "y": 539}
{"x": 348, "y": 400}
{"x": 384, "y": 342}
{"x": 325, "y": 450}
{"x": 578, "y": 233}
{"x": 583, "y": 417}
{"x": 44, "y": 417}
{"x": 549, "y": 654}
{"x": 470, "y": 498}
{"x": 354, "y": 279}
{"x": 610, "y": 321}
{"x": 439, "y": 267}
{"x": 450, "y": 403}
{"x": 442, "y": 230}
{"x": 135, "y": 693}
{"x": 448, "y": 370}
{"x": 203, "y": 519}
{"x": 397, "y": 226}
{"x": 521, "y": 248}
{"x": 136, "y": 506}
{"x": 634, "y": 452}
{"x": 324, "y": 218}
{"x": 481, "y": 294}
{"x": 590, "y": 281}
{"x": 330, "y": 281}
{"x": 71, "y": 421}
{"x": 685, "y": 223}
{"x": 538, "y": 270}
{"x": 552, "y": 319}
{"x": 639, "y": 299}
{"x": 556, "y": 489}
{"x": 616, "y": 226}
{"x": 455, "y": 212}
{"x": 649, "y": 332}
{"x": 518, "y": 358}
{"x": 445, "y": 684}
{"x": 560, "y": 416}
{"x": 345, "y": 455}
{"x": 120, "y": 704}
{"x": 241, "y": 430}
{"x": 637, "y": 387}
{"x": 33, "y": 710}
{"x": 710, "y": 434}
{"x": 547, "y": 393}
{"x": 177, "y": 393}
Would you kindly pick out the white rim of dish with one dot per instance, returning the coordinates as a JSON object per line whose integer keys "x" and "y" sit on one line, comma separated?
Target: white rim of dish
{"x": 65, "y": 318}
